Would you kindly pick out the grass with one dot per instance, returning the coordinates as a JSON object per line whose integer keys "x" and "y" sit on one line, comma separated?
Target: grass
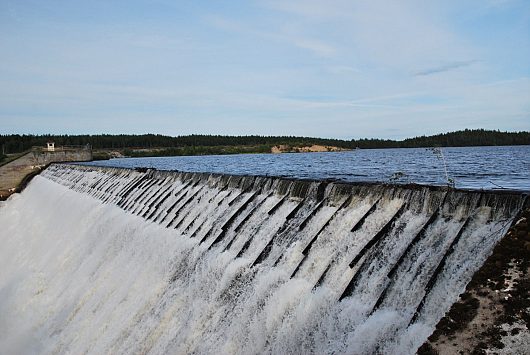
{"x": 197, "y": 150}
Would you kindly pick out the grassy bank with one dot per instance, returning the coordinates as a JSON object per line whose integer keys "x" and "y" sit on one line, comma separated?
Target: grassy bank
{"x": 197, "y": 150}
{"x": 103, "y": 154}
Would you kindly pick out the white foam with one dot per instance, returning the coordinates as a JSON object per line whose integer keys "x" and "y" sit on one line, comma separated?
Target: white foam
{"x": 81, "y": 276}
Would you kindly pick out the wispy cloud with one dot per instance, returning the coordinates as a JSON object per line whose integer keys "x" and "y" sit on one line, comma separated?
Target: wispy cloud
{"x": 343, "y": 69}
{"x": 445, "y": 67}
{"x": 316, "y": 46}
{"x": 304, "y": 67}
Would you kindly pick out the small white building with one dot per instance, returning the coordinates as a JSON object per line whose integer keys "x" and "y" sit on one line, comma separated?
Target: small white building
{"x": 51, "y": 146}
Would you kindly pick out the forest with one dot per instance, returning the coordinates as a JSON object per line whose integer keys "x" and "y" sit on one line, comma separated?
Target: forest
{"x": 217, "y": 144}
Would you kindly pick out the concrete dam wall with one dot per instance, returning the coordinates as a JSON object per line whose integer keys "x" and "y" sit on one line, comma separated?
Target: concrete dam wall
{"x": 61, "y": 155}
{"x": 123, "y": 261}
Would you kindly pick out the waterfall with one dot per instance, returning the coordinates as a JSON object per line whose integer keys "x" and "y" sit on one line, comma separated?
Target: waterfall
{"x": 111, "y": 260}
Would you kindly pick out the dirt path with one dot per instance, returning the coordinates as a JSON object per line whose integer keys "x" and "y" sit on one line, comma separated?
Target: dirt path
{"x": 12, "y": 173}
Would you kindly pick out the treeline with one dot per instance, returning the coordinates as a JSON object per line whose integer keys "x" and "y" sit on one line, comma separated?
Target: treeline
{"x": 182, "y": 145}
{"x": 469, "y": 138}
{"x": 17, "y": 143}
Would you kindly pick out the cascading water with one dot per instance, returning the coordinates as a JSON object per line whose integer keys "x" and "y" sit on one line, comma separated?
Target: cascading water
{"x": 107, "y": 260}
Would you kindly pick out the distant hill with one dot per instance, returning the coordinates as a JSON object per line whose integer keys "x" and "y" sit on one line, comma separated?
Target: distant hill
{"x": 216, "y": 144}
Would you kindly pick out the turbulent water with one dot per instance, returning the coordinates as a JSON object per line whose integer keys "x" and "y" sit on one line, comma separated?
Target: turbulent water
{"x": 107, "y": 260}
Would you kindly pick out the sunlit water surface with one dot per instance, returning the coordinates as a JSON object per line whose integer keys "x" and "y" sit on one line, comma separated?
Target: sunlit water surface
{"x": 469, "y": 167}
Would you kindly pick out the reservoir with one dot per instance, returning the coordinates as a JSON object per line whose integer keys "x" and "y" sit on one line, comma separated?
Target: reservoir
{"x": 469, "y": 167}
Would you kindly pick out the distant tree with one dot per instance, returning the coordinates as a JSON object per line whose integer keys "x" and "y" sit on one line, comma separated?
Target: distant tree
{"x": 15, "y": 143}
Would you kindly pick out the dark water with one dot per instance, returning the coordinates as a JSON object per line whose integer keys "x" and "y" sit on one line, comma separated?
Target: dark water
{"x": 469, "y": 167}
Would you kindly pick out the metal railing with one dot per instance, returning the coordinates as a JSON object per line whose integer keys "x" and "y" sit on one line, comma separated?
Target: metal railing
{"x": 61, "y": 148}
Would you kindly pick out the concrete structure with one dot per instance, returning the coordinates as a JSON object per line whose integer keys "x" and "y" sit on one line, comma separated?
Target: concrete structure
{"x": 61, "y": 154}
{"x": 380, "y": 263}
{"x": 13, "y": 173}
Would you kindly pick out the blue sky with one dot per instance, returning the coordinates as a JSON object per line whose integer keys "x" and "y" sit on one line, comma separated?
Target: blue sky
{"x": 335, "y": 68}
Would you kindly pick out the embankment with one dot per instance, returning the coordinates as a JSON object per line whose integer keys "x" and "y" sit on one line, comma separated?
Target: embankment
{"x": 15, "y": 174}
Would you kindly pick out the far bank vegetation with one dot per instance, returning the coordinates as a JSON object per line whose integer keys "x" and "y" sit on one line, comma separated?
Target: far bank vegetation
{"x": 106, "y": 146}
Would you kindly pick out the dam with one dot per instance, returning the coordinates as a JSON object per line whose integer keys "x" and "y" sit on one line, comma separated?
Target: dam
{"x": 113, "y": 260}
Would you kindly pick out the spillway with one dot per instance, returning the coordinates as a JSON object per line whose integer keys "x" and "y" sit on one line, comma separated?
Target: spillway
{"x": 108, "y": 260}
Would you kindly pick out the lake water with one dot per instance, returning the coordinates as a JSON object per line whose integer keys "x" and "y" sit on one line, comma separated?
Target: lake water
{"x": 469, "y": 167}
